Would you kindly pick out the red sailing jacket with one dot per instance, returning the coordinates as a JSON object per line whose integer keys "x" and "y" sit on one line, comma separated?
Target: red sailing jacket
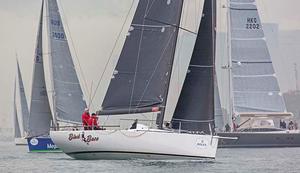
{"x": 85, "y": 118}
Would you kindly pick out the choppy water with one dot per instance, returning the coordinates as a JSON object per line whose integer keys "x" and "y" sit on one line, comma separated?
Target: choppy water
{"x": 265, "y": 160}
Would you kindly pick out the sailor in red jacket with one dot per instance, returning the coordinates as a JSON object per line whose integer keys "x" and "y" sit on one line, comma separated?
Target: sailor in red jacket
{"x": 93, "y": 122}
{"x": 85, "y": 118}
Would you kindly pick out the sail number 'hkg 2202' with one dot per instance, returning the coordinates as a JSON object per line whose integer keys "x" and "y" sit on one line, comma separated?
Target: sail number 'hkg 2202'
{"x": 252, "y": 23}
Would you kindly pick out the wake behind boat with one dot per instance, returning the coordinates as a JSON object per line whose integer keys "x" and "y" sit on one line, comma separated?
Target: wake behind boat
{"x": 140, "y": 85}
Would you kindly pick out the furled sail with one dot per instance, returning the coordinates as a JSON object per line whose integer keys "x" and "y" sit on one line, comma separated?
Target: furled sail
{"x": 255, "y": 86}
{"x": 141, "y": 78}
{"x": 40, "y": 113}
{"x": 195, "y": 107}
{"x": 21, "y": 104}
{"x": 17, "y": 131}
{"x": 65, "y": 91}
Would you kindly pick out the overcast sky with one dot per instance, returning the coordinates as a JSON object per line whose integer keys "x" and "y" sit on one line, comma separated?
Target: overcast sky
{"x": 94, "y": 25}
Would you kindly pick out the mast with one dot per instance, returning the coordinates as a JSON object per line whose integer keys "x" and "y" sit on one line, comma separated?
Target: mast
{"x": 229, "y": 67}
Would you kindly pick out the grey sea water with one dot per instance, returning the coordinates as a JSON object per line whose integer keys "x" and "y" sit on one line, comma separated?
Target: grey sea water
{"x": 264, "y": 160}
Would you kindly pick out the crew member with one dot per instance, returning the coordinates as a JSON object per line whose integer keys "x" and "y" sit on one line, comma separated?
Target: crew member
{"x": 85, "y": 118}
{"x": 93, "y": 122}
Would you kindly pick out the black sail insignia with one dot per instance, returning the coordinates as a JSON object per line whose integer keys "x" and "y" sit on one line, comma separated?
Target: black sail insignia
{"x": 141, "y": 78}
{"x": 195, "y": 107}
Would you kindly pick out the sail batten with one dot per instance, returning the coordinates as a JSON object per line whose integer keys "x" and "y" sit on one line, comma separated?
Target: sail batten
{"x": 67, "y": 96}
{"x": 255, "y": 85}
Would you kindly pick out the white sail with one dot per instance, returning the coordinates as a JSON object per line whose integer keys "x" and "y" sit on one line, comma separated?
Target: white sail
{"x": 40, "y": 113}
{"x": 255, "y": 86}
{"x": 17, "y": 132}
{"x": 21, "y": 104}
{"x": 190, "y": 21}
{"x": 64, "y": 91}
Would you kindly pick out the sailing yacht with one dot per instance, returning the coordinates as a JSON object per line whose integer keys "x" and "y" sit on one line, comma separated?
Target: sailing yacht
{"x": 59, "y": 100}
{"x": 21, "y": 112}
{"x": 256, "y": 101}
{"x": 140, "y": 85}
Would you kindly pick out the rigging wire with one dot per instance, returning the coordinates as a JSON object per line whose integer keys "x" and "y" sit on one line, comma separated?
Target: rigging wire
{"x": 112, "y": 51}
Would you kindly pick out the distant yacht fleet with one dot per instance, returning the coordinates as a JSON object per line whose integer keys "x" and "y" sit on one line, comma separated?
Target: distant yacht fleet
{"x": 139, "y": 87}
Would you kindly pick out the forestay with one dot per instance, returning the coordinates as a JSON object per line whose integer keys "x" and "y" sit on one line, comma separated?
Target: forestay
{"x": 255, "y": 86}
{"x": 66, "y": 94}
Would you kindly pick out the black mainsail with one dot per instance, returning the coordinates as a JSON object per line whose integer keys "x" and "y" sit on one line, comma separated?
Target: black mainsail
{"x": 195, "y": 107}
{"x": 141, "y": 78}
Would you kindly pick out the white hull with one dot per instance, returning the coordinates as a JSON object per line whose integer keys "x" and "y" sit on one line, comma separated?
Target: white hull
{"x": 20, "y": 141}
{"x": 135, "y": 144}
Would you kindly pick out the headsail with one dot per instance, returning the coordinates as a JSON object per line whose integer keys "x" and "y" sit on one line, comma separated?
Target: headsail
{"x": 40, "y": 113}
{"x": 141, "y": 78}
{"x": 21, "y": 104}
{"x": 66, "y": 97}
{"x": 255, "y": 86}
{"x": 195, "y": 107}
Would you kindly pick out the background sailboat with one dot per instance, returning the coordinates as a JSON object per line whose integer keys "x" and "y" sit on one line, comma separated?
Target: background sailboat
{"x": 64, "y": 92}
{"x": 40, "y": 115}
{"x": 21, "y": 112}
{"x": 256, "y": 100}
{"x": 17, "y": 130}
{"x": 140, "y": 84}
